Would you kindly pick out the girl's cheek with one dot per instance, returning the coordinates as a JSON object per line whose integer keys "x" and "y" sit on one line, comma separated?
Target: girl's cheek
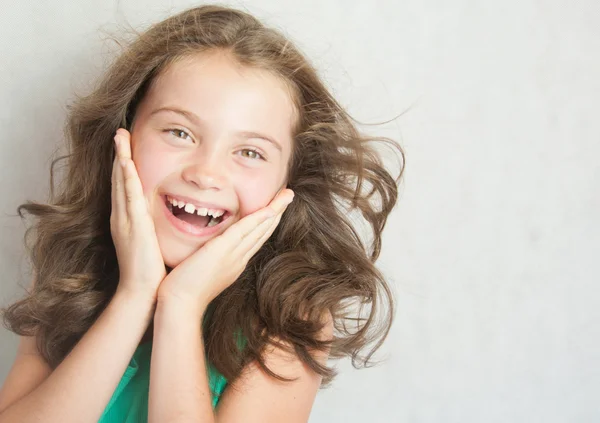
{"x": 147, "y": 178}
{"x": 151, "y": 166}
{"x": 150, "y": 158}
{"x": 254, "y": 195}
{"x": 150, "y": 178}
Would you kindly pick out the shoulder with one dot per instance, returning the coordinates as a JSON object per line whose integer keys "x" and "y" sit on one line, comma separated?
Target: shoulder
{"x": 280, "y": 356}
{"x": 258, "y": 396}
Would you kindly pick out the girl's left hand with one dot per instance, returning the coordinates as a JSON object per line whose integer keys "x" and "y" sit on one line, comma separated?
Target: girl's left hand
{"x": 217, "y": 264}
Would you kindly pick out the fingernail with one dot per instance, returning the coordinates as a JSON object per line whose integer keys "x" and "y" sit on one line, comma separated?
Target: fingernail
{"x": 116, "y": 141}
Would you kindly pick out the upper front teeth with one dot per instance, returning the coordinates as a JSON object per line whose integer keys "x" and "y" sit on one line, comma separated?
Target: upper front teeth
{"x": 190, "y": 208}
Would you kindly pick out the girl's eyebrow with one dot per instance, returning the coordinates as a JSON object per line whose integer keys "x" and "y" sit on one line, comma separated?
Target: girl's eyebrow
{"x": 192, "y": 117}
{"x": 250, "y": 134}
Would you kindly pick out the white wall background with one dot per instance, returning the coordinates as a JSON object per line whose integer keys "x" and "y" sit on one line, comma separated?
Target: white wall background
{"x": 493, "y": 248}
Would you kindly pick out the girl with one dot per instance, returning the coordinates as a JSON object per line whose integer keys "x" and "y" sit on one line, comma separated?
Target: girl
{"x": 174, "y": 277}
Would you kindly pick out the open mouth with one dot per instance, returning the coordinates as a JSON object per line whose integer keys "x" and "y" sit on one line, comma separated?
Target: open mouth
{"x": 194, "y": 219}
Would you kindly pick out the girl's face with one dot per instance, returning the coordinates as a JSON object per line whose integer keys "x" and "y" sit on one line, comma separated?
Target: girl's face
{"x": 211, "y": 131}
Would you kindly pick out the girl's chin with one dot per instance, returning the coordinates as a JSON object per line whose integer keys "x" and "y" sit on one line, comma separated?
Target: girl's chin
{"x": 174, "y": 253}
{"x": 174, "y": 260}
{"x": 175, "y": 250}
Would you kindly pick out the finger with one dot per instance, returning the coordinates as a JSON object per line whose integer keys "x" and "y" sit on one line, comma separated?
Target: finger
{"x": 252, "y": 243}
{"x": 119, "y": 210}
{"x": 135, "y": 201}
{"x": 125, "y": 142}
{"x": 262, "y": 232}
{"x": 281, "y": 200}
{"x": 257, "y": 233}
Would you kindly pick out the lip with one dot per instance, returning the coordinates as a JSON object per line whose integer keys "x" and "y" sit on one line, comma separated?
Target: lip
{"x": 189, "y": 229}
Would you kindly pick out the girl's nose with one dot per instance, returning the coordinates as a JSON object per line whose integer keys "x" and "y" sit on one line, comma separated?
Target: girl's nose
{"x": 207, "y": 172}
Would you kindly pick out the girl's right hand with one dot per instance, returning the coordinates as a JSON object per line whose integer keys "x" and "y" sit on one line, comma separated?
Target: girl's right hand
{"x": 141, "y": 266}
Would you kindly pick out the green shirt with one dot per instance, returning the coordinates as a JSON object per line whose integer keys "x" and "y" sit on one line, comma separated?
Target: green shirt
{"x": 129, "y": 403}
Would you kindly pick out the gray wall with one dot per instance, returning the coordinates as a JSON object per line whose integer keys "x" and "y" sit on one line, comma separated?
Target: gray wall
{"x": 493, "y": 249}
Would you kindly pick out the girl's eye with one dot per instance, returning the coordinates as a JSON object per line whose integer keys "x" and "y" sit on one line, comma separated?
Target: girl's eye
{"x": 177, "y": 131}
{"x": 254, "y": 154}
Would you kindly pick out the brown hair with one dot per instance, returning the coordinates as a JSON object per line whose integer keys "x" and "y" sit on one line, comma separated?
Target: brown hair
{"x": 315, "y": 262}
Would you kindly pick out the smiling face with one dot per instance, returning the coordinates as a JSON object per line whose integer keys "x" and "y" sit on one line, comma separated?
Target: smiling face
{"x": 228, "y": 146}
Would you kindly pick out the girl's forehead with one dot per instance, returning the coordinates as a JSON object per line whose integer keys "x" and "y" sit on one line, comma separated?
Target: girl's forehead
{"x": 216, "y": 86}
{"x": 217, "y": 70}
{"x": 217, "y": 96}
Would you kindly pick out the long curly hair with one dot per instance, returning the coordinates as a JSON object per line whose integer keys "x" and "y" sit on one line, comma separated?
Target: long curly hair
{"x": 314, "y": 263}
